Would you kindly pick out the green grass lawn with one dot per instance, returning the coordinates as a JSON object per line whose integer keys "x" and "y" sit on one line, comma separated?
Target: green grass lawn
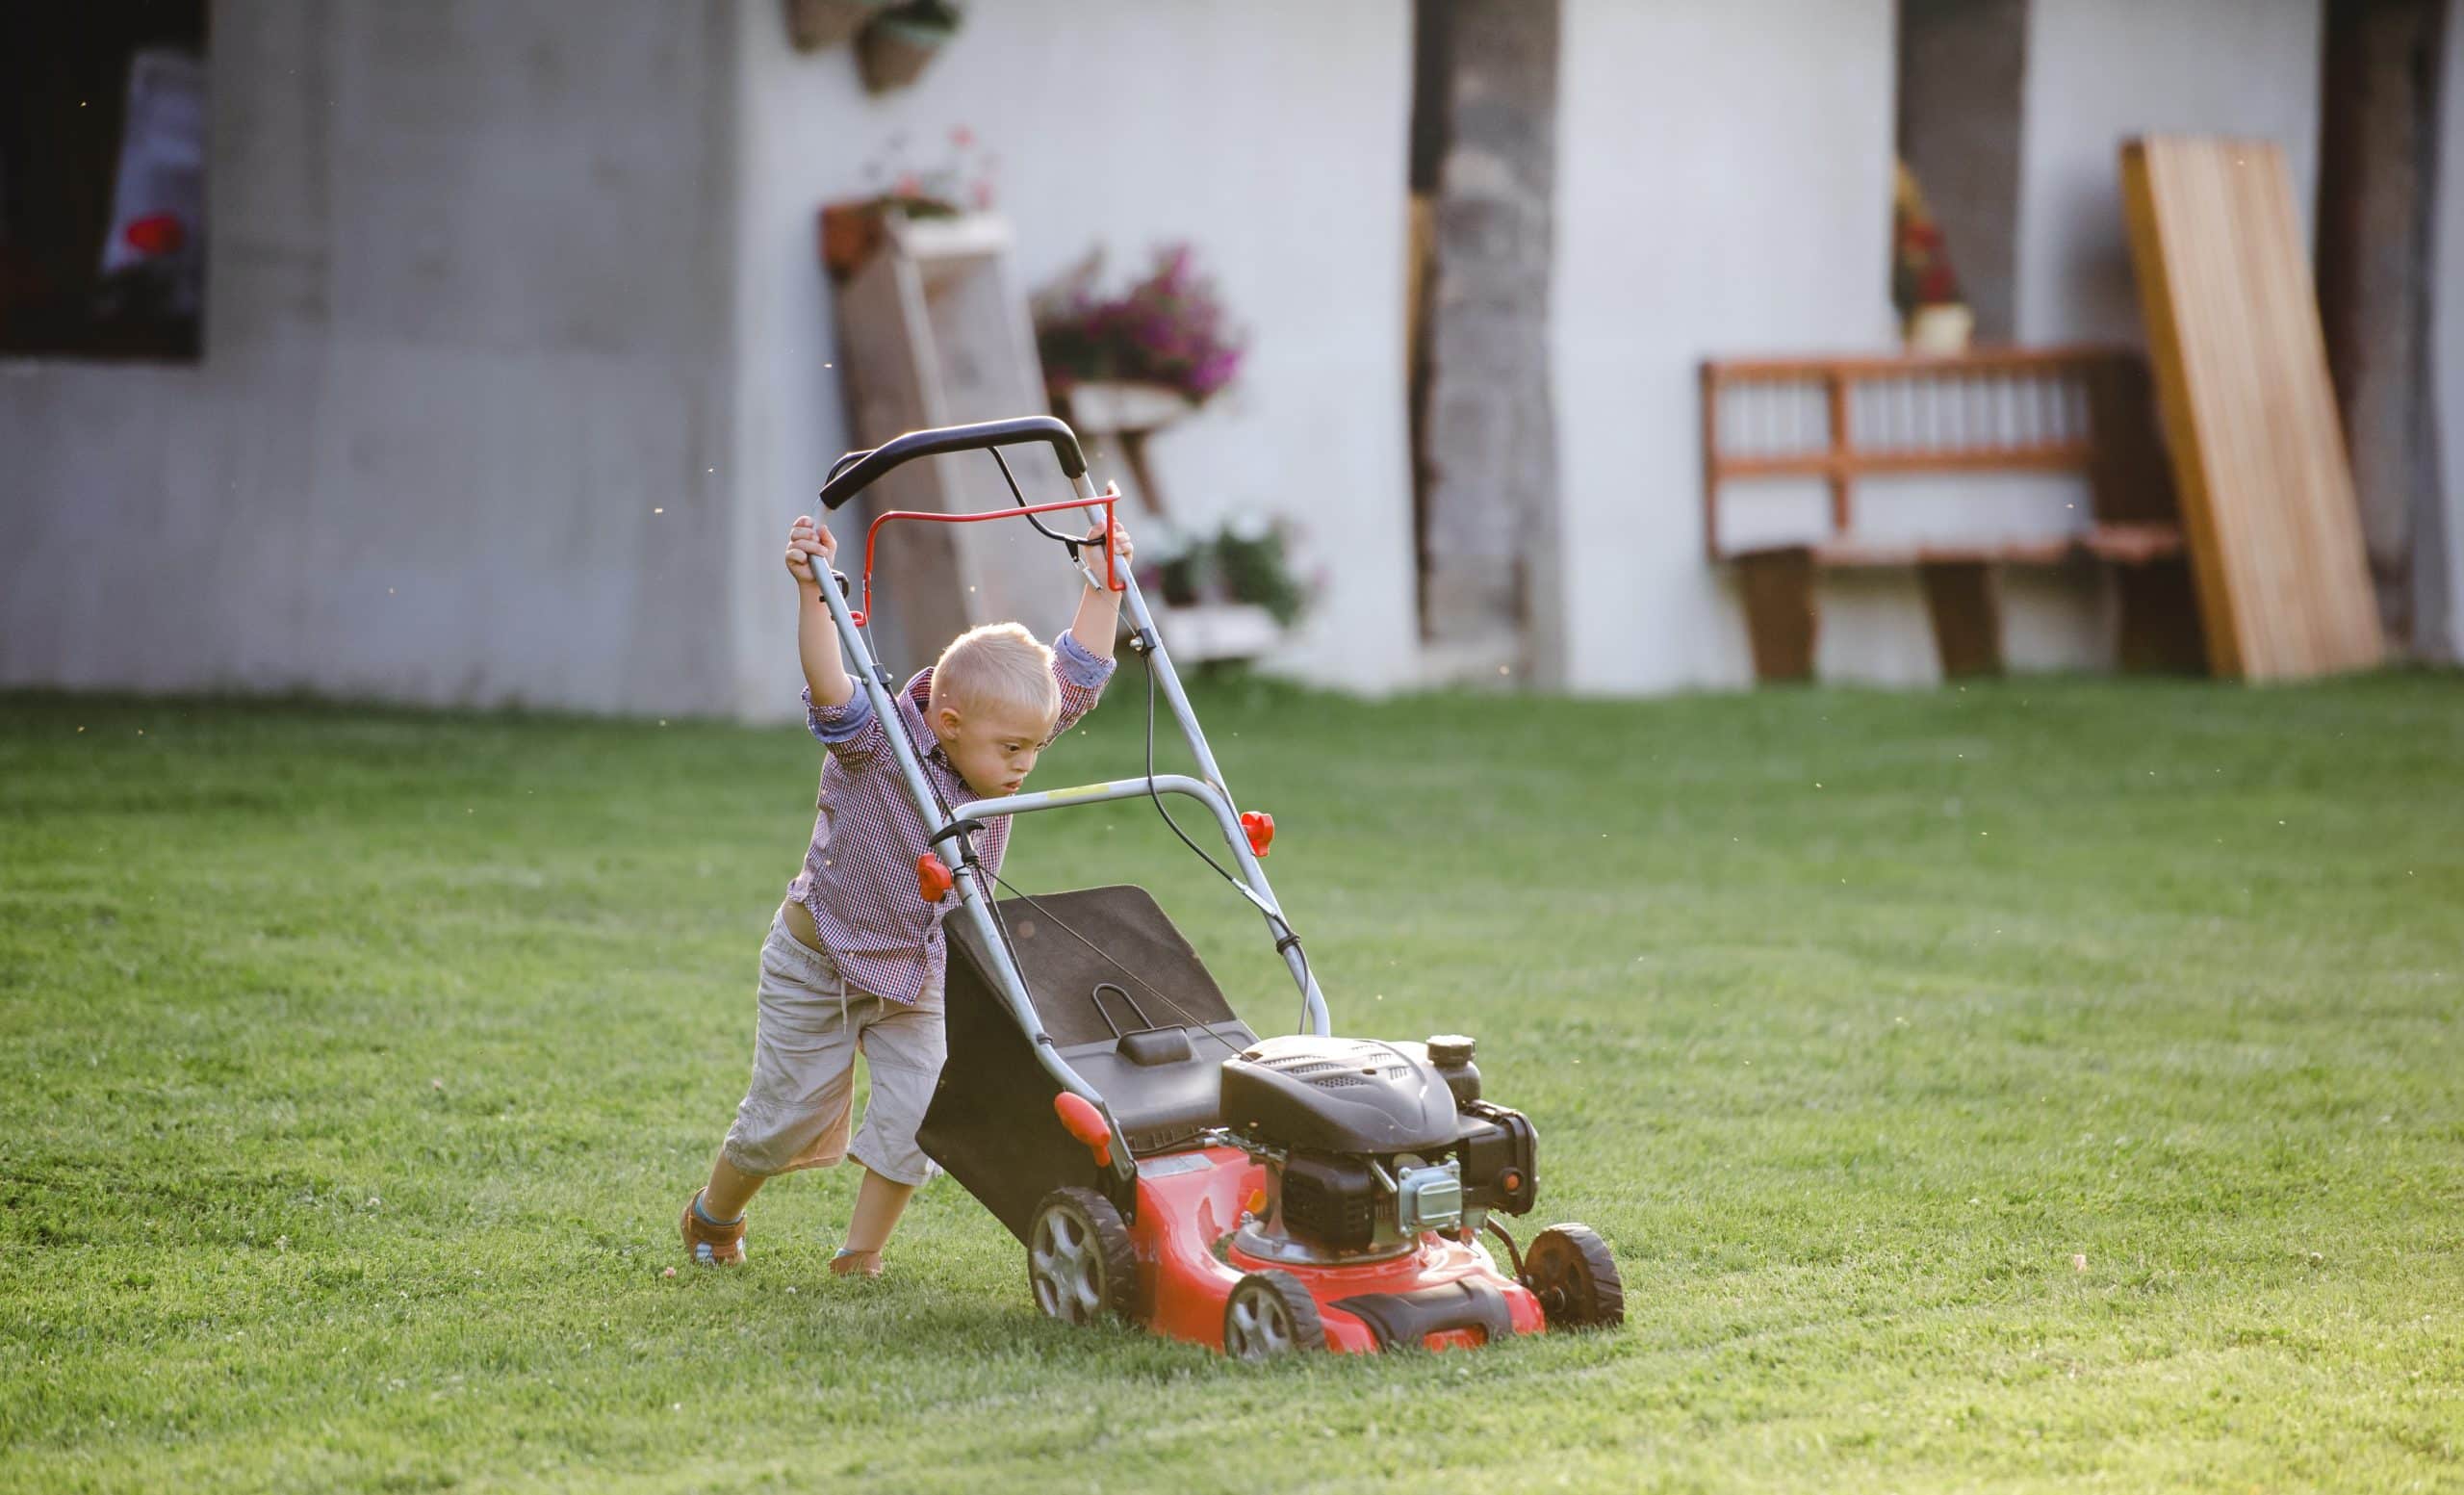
{"x": 2023, "y": 1087}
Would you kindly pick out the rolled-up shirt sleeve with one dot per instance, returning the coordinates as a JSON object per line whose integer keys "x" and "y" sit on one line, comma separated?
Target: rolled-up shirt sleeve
{"x": 1081, "y": 677}
{"x": 852, "y": 731}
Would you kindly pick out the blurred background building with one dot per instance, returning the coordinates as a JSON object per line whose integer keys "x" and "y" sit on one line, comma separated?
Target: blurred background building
{"x": 480, "y": 351}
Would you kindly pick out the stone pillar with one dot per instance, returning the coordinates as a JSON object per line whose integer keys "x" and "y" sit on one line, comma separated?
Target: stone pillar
{"x": 2439, "y": 549}
{"x": 1487, "y": 439}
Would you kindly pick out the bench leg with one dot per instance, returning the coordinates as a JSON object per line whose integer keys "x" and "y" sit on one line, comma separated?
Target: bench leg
{"x": 1778, "y": 613}
{"x": 1967, "y": 616}
{"x": 2160, "y": 622}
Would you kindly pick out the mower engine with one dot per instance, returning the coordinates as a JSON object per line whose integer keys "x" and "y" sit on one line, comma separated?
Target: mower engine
{"x": 1369, "y": 1143}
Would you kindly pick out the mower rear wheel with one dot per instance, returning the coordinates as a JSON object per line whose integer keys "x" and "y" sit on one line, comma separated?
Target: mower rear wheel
{"x": 1080, "y": 1262}
{"x": 1271, "y": 1314}
{"x": 1568, "y": 1268}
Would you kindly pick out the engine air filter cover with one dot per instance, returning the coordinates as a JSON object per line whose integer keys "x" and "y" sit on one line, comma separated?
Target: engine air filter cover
{"x": 1338, "y": 1095}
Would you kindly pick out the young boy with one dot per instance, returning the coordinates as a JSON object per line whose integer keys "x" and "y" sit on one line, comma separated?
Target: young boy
{"x": 854, "y": 959}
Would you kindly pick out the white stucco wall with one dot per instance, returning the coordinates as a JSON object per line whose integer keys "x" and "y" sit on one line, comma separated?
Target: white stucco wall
{"x": 1269, "y": 133}
{"x": 1693, "y": 223}
{"x": 2100, "y": 71}
{"x": 490, "y": 290}
{"x": 464, "y": 335}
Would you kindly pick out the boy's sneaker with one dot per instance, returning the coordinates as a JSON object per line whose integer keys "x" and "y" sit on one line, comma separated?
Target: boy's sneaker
{"x": 709, "y": 1243}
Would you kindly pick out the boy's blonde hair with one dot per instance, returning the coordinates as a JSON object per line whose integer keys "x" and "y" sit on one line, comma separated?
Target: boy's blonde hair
{"x": 995, "y": 666}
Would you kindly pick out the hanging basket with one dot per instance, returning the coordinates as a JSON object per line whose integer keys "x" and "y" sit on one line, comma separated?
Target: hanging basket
{"x": 892, "y": 52}
{"x": 817, "y": 25}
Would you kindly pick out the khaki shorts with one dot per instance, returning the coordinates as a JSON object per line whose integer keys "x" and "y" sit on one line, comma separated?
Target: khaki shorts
{"x": 810, "y": 1027}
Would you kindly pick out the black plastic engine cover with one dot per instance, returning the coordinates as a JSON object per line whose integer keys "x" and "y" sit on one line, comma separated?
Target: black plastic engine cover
{"x": 1331, "y": 1201}
{"x": 1338, "y": 1095}
{"x": 1501, "y": 1158}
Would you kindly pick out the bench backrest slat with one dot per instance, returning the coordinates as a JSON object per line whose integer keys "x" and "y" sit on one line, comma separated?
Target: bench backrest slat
{"x": 2050, "y": 409}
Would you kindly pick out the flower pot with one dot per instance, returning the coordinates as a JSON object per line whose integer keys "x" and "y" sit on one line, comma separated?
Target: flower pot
{"x": 817, "y": 25}
{"x": 1941, "y": 328}
{"x": 892, "y": 53}
{"x": 850, "y": 233}
{"x": 853, "y": 229}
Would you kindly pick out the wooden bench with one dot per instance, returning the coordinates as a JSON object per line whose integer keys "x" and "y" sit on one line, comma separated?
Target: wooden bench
{"x": 2076, "y": 410}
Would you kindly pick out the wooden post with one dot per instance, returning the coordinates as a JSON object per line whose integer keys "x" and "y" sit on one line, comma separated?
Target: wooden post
{"x": 1492, "y": 519}
{"x": 1778, "y": 611}
{"x": 1967, "y": 625}
{"x": 935, "y": 331}
{"x": 1710, "y": 461}
{"x": 1836, "y": 387}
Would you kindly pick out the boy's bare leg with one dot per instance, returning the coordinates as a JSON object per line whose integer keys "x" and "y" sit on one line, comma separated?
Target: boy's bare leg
{"x": 729, "y": 1189}
{"x": 879, "y": 1202}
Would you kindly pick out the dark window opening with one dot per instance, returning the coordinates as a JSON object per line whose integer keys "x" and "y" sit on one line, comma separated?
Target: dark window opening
{"x": 102, "y": 179}
{"x": 1962, "y": 73}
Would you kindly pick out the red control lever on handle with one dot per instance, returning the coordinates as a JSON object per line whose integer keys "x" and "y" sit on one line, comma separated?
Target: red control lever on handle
{"x": 872, "y": 537}
{"x": 933, "y": 879}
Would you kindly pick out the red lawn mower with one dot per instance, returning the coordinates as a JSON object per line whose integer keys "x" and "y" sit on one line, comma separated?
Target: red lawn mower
{"x": 1160, "y": 1161}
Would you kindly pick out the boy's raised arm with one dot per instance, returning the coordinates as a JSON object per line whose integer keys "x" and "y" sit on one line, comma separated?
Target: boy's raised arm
{"x": 1100, "y": 608}
{"x": 816, "y": 642}
{"x": 817, "y": 646}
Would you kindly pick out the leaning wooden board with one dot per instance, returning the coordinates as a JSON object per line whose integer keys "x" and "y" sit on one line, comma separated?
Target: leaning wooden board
{"x": 2241, "y": 367}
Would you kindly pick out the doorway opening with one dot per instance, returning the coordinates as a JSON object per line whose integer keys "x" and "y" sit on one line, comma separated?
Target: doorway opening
{"x": 2377, "y": 182}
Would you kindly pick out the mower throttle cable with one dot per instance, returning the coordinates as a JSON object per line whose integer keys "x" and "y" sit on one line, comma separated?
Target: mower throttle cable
{"x": 1285, "y": 935}
{"x": 1001, "y": 925}
{"x": 1142, "y": 644}
{"x": 1513, "y": 1253}
{"x": 1067, "y": 543}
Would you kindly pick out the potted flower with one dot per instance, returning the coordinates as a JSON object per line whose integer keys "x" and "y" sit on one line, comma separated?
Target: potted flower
{"x": 901, "y": 39}
{"x": 1256, "y": 565}
{"x": 1230, "y": 594}
{"x": 1922, "y": 284}
{"x": 851, "y": 229}
{"x": 816, "y": 25}
{"x": 1166, "y": 332}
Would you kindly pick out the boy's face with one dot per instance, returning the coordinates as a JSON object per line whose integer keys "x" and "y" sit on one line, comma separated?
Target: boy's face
{"x": 993, "y": 747}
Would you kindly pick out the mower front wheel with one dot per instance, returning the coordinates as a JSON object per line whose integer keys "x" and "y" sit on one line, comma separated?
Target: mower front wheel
{"x": 1081, "y": 1264}
{"x": 1271, "y": 1314}
{"x": 1568, "y": 1268}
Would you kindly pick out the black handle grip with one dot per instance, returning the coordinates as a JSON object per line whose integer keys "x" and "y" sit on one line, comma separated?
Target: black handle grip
{"x": 857, "y": 470}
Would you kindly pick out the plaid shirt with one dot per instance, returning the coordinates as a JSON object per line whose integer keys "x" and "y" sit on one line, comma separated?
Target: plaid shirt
{"x": 858, "y": 880}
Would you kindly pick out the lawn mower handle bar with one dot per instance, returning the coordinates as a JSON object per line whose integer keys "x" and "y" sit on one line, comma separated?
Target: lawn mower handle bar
{"x": 857, "y": 470}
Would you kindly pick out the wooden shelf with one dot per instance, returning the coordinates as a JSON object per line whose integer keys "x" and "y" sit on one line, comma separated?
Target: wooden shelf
{"x": 2116, "y": 544}
{"x": 934, "y": 331}
{"x": 1113, "y": 408}
{"x": 1218, "y": 630}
